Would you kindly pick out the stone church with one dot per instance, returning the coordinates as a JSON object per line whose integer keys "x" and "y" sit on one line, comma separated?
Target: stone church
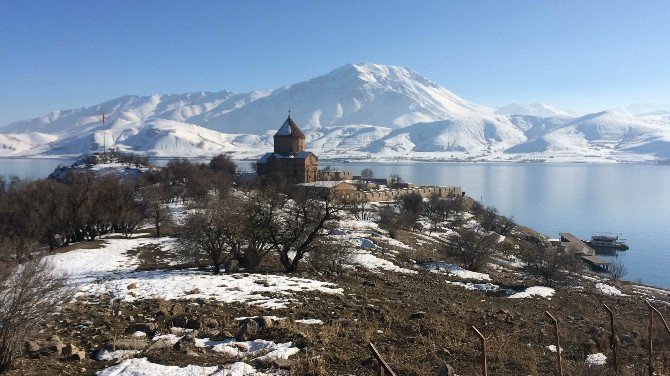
{"x": 289, "y": 159}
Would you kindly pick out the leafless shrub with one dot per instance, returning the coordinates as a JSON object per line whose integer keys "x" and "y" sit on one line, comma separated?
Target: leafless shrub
{"x": 389, "y": 220}
{"x": 29, "y": 293}
{"x": 330, "y": 257}
{"x": 617, "y": 271}
{"x": 215, "y": 231}
{"x": 472, "y": 249}
{"x": 548, "y": 263}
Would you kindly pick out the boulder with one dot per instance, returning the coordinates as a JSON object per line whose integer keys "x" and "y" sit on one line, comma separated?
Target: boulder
{"x": 127, "y": 344}
{"x": 72, "y": 352}
{"x": 132, "y": 286}
{"x": 160, "y": 344}
{"x": 265, "y": 321}
{"x": 248, "y": 330}
{"x": 146, "y": 327}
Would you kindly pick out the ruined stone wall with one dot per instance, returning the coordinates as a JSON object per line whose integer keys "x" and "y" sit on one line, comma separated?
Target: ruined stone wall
{"x": 394, "y": 194}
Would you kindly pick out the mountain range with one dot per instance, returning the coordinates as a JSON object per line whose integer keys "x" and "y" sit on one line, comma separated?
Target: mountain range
{"x": 359, "y": 111}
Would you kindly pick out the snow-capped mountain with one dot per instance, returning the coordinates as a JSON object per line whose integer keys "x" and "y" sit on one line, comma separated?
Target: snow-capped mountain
{"x": 534, "y": 109}
{"x": 362, "y": 110}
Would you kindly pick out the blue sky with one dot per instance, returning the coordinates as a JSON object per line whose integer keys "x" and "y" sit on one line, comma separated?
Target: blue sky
{"x": 580, "y": 55}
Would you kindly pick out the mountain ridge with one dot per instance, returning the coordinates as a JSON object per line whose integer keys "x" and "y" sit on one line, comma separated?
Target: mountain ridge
{"x": 356, "y": 111}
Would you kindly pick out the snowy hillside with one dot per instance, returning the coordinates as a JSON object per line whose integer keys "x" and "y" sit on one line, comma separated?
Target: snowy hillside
{"x": 358, "y": 111}
{"x": 534, "y": 109}
{"x": 353, "y": 94}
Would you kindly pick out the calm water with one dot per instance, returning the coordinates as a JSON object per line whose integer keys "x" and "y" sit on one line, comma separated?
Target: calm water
{"x": 630, "y": 199}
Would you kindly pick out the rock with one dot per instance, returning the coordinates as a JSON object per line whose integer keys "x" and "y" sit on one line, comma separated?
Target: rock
{"x": 232, "y": 266}
{"x": 132, "y": 286}
{"x": 146, "y": 327}
{"x": 56, "y": 345}
{"x": 161, "y": 344}
{"x": 248, "y": 329}
{"x": 417, "y": 315}
{"x": 185, "y": 344}
{"x": 446, "y": 370}
{"x": 265, "y": 322}
{"x": 194, "y": 291}
{"x": 127, "y": 344}
{"x": 32, "y": 347}
{"x": 73, "y": 352}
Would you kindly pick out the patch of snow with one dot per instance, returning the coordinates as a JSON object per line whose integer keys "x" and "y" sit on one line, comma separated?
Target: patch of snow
{"x": 310, "y": 321}
{"x": 143, "y": 367}
{"x": 552, "y": 348}
{"x": 267, "y": 291}
{"x": 172, "y": 338}
{"x": 260, "y": 349}
{"x": 105, "y": 354}
{"x": 486, "y": 287}
{"x": 86, "y": 265}
{"x": 596, "y": 360}
{"x": 457, "y": 271}
{"x": 139, "y": 334}
{"x": 609, "y": 290}
{"x": 545, "y": 292}
{"x": 372, "y": 262}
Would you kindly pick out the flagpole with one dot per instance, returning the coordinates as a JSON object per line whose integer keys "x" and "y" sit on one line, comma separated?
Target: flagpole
{"x": 104, "y": 138}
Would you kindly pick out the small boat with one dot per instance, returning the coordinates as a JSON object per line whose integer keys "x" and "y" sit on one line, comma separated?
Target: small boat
{"x": 607, "y": 241}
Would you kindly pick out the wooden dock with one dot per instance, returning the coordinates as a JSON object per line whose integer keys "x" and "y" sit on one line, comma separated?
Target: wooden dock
{"x": 577, "y": 246}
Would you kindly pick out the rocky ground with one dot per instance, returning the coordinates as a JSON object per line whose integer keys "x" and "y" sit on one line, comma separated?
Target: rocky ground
{"x": 140, "y": 310}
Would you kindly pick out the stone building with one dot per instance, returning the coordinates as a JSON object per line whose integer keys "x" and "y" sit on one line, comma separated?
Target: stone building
{"x": 289, "y": 160}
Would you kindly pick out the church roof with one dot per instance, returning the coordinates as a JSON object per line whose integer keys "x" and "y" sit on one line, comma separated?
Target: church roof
{"x": 290, "y": 128}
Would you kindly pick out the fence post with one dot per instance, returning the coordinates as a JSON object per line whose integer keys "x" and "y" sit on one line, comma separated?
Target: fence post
{"x": 383, "y": 367}
{"x": 651, "y": 339}
{"x": 613, "y": 339}
{"x": 485, "y": 371}
{"x": 558, "y": 344}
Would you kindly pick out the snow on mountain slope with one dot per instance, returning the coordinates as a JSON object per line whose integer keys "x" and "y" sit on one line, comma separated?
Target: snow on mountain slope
{"x": 473, "y": 135}
{"x": 603, "y": 134}
{"x": 364, "y": 111}
{"x": 13, "y": 144}
{"x": 364, "y": 93}
{"x": 534, "y": 109}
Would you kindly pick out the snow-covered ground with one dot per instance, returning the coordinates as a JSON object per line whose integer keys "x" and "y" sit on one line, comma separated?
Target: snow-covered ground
{"x": 143, "y": 367}
{"x": 267, "y": 291}
{"x": 111, "y": 270}
{"x": 541, "y": 291}
{"x": 85, "y": 265}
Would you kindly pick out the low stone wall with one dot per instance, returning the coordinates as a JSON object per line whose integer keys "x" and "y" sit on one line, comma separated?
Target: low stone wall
{"x": 394, "y": 194}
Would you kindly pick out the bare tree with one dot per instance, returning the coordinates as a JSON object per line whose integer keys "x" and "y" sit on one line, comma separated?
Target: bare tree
{"x": 29, "y": 294}
{"x": 358, "y": 206}
{"x": 472, "y": 249}
{"x": 224, "y": 164}
{"x": 294, "y": 224}
{"x": 367, "y": 174}
{"x": 396, "y": 180}
{"x": 215, "y": 231}
{"x": 154, "y": 198}
{"x": 389, "y": 220}
{"x": 548, "y": 263}
{"x": 617, "y": 271}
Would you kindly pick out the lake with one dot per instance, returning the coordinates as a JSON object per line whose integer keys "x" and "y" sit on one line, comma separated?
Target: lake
{"x": 630, "y": 199}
